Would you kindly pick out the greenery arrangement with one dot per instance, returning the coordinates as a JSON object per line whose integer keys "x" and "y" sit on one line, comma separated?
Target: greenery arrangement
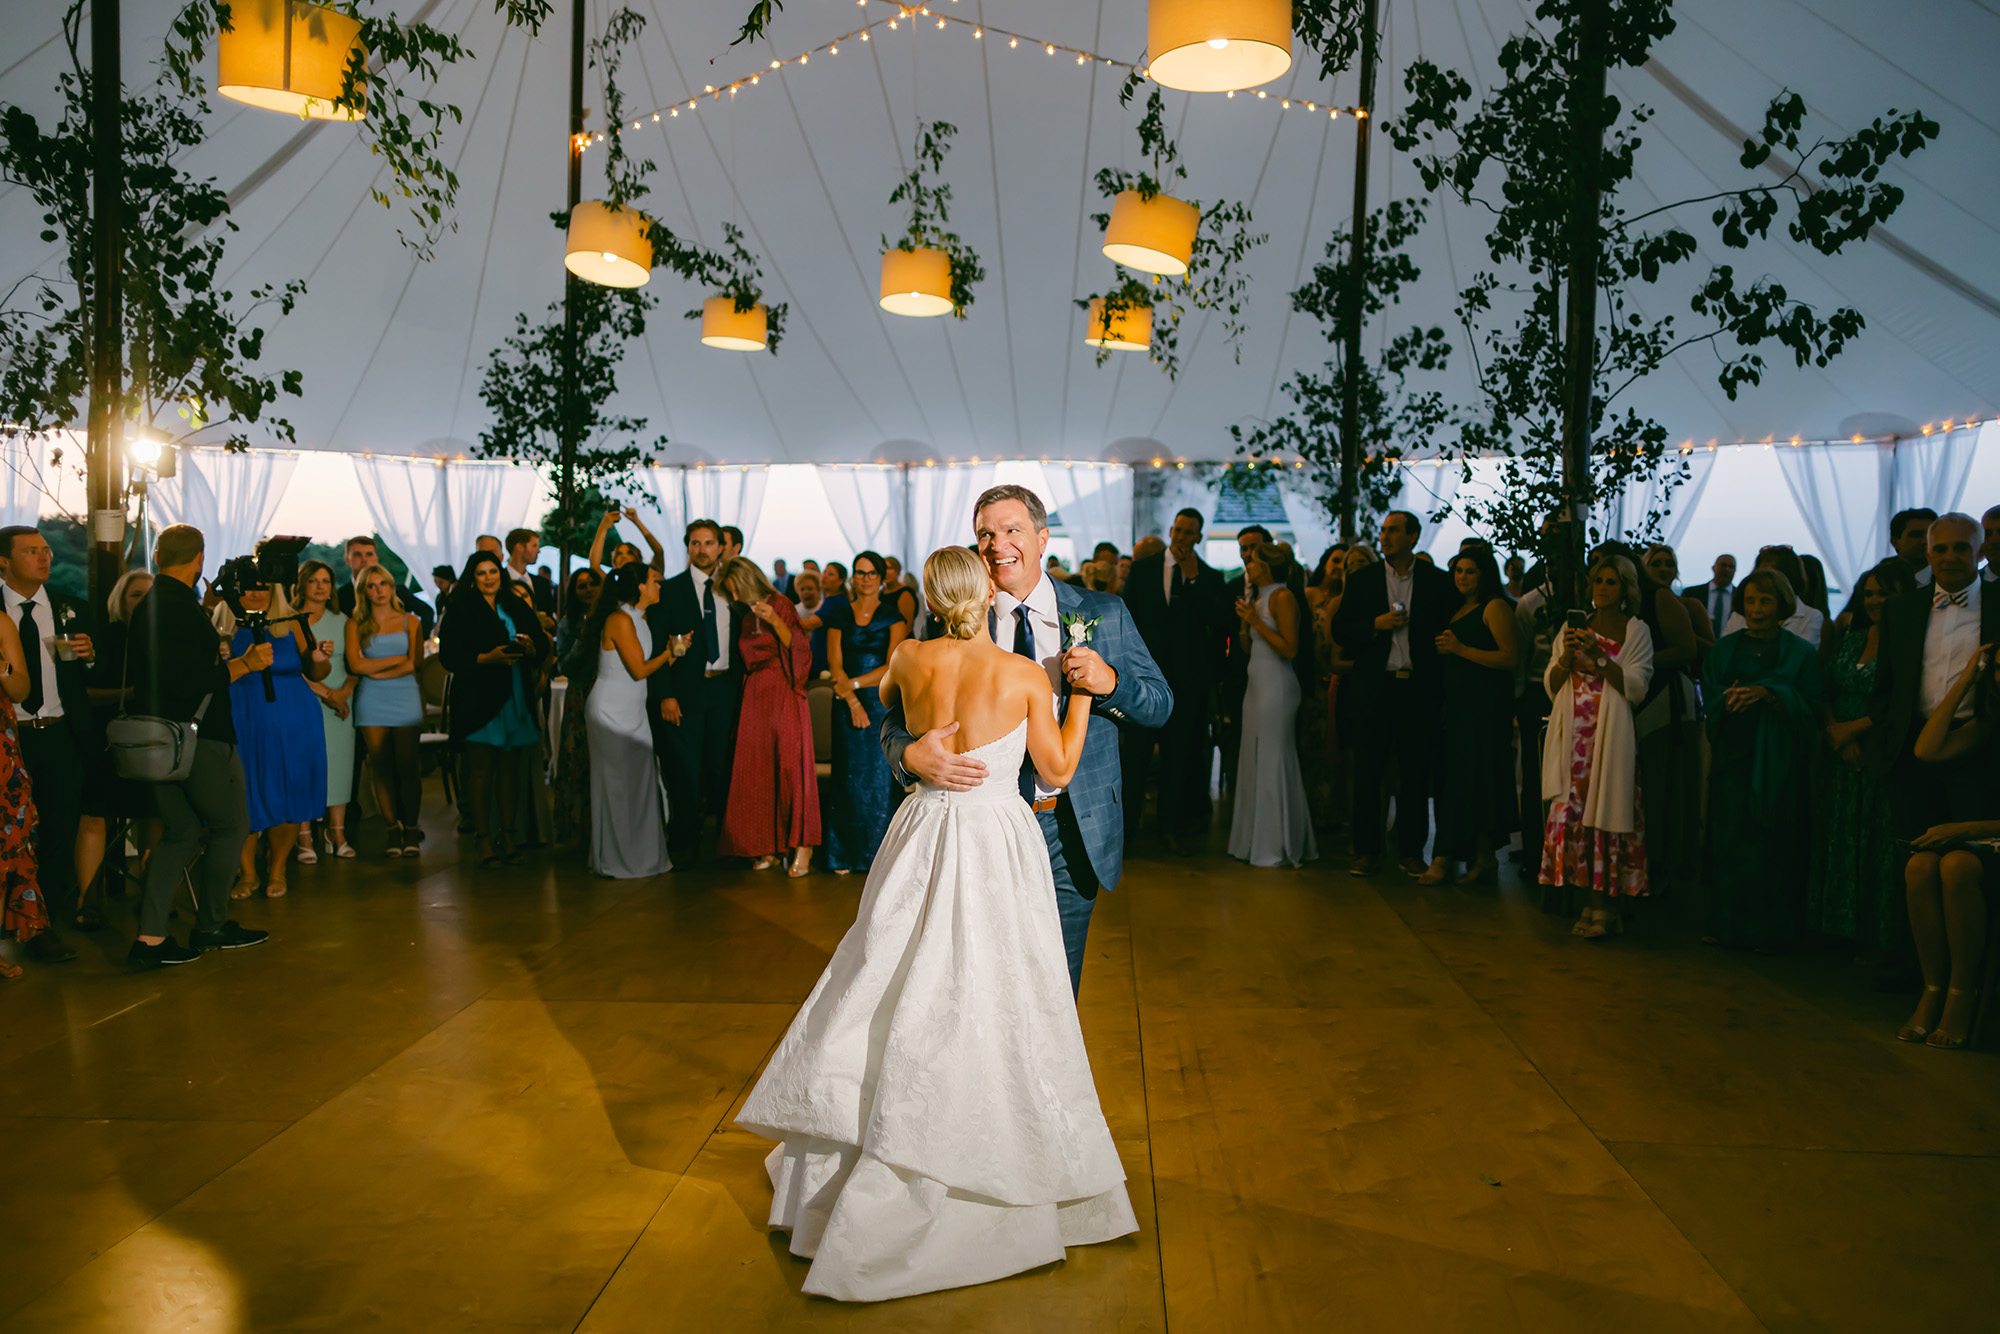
{"x": 1516, "y": 157}
{"x": 1214, "y": 280}
{"x": 538, "y": 398}
{"x": 1393, "y": 416}
{"x": 388, "y": 77}
{"x": 929, "y": 198}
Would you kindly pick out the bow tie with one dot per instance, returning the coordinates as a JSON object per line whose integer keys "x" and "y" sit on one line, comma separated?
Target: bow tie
{"x": 1945, "y": 599}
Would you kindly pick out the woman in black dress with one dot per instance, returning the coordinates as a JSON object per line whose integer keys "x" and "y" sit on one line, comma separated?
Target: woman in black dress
{"x": 1478, "y": 650}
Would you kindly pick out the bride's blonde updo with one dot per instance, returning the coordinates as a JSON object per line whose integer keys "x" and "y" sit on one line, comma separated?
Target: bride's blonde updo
{"x": 956, "y": 586}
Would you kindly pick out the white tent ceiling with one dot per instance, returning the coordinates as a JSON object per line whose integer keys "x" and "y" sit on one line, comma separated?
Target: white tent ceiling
{"x": 392, "y": 348}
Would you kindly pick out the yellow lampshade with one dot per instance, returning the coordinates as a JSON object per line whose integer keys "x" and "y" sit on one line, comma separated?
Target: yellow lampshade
{"x": 286, "y": 56}
{"x": 1152, "y": 235}
{"x": 723, "y": 325}
{"x": 1129, "y": 329}
{"x": 1211, "y": 46}
{"x": 916, "y": 282}
{"x": 609, "y": 245}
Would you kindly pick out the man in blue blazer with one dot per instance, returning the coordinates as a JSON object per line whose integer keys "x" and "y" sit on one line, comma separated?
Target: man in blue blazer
{"x": 1084, "y": 824}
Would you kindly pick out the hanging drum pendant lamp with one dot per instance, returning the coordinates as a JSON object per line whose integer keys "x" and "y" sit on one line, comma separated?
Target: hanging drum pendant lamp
{"x": 1127, "y": 330}
{"x": 1213, "y": 46}
{"x": 723, "y": 325}
{"x": 608, "y": 245}
{"x": 286, "y": 56}
{"x": 916, "y": 282}
{"x": 1152, "y": 235}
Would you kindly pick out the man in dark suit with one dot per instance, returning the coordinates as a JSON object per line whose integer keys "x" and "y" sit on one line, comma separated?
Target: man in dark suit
{"x": 1178, "y": 603}
{"x": 695, "y": 701}
{"x": 57, "y": 731}
{"x": 1389, "y": 619}
{"x": 1928, "y": 635}
{"x": 524, "y": 546}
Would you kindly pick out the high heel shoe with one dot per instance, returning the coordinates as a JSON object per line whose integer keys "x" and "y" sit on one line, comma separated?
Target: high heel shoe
{"x": 1917, "y": 1032}
{"x": 1436, "y": 873}
{"x": 336, "y": 844}
{"x": 395, "y": 848}
{"x": 305, "y": 854}
{"x": 1938, "y": 1037}
{"x": 1481, "y": 873}
{"x": 1602, "y": 924}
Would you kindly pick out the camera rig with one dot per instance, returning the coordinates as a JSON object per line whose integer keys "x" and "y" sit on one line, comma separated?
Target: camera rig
{"x": 275, "y": 564}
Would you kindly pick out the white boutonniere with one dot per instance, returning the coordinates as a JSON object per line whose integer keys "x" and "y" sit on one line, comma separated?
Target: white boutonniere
{"x": 1077, "y": 629}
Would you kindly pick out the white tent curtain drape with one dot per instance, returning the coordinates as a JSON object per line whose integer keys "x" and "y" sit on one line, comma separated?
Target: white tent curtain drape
{"x": 230, "y": 497}
{"x": 868, "y": 504}
{"x": 432, "y": 512}
{"x": 1844, "y": 494}
{"x": 1931, "y": 471}
{"x": 1624, "y": 516}
{"x": 1095, "y": 501}
{"x": 1427, "y": 490}
{"x": 1312, "y": 527}
{"x": 22, "y": 458}
{"x": 940, "y": 509}
{"x": 730, "y": 496}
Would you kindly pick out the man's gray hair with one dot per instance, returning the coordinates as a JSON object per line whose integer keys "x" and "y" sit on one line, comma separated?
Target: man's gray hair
{"x": 993, "y": 495}
{"x": 1953, "y": 519}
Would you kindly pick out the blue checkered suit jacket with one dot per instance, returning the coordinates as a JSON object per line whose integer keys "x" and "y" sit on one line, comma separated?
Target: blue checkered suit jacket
{"x": 1142, "y": 699}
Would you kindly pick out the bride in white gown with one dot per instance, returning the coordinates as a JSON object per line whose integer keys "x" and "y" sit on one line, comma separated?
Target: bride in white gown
{"x": 938, "y": 1122}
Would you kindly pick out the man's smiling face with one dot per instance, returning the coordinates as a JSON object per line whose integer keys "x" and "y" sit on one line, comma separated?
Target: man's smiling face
{"x": 1011, "y": 546}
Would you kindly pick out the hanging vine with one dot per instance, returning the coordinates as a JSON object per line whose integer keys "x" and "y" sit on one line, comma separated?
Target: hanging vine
{"x": 929, "y": 198}
{"x": 1214, "y": 280}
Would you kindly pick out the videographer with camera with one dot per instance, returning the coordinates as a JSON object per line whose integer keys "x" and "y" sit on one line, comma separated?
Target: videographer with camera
{"x": 179, "y": 671}
{"x": 278, "y": 731}
{"x": 492, "y": 643}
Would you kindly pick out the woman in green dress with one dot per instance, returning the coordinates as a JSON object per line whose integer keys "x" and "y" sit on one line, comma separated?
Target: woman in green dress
{"x": 325, "y": 624}
{"x": 1762, "y": 688}
{"x": 1852, "y": 892}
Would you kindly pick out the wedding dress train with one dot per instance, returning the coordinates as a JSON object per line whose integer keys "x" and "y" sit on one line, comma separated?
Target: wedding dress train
{"x": 938, "y": 1122}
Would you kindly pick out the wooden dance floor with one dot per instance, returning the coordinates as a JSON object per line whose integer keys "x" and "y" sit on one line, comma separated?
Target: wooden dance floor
{"x": 445, "y": 1100}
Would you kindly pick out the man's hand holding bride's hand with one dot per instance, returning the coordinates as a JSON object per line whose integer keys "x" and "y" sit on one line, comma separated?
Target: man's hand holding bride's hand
{"x": 1087, "y": 672}
{"x": 928, "y": 759}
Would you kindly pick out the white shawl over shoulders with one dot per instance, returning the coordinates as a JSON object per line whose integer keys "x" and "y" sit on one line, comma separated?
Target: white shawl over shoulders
{"x": 1608, "y": 799}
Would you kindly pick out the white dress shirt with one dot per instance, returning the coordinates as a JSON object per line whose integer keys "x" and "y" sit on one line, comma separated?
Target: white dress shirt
{"x": 1400, "y": 588}
{"x": 1047, "y": 631}
{"x": 1948, "y": 644}
{"x": 724, "y": 620}
{"x": 45, "y": 631}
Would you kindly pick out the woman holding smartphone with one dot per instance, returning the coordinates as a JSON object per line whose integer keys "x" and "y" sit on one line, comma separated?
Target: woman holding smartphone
{"x": 384, "y": 645}
{"x": 493, "y": 645}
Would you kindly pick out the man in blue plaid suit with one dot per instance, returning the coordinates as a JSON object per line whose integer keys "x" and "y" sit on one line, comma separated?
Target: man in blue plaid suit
{"x": 1083, "y": 825}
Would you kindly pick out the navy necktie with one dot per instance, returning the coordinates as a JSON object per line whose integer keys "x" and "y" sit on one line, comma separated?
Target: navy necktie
{"x": 31, "y": 651}
{"x": 712, "y": 639}
{"x": 1024, "y": 644}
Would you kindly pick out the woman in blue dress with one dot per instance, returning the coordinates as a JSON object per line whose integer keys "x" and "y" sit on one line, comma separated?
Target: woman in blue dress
{"x": 492, "y": 643}
{"x": 862, "y": 630}
{"x": 384, "y": 645}
{"x": 280, "y": 738}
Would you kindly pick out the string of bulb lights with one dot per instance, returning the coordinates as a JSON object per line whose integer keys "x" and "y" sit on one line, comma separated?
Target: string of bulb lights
{"x": 911, "y": 15}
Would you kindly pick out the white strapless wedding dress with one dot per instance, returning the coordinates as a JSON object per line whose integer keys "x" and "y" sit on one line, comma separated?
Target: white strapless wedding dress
{"x": 938, "y": 1119}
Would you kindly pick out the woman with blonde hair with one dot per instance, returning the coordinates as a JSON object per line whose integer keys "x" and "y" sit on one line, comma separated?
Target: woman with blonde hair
{"x": 384, "y": 645}
{"x": 773, "y": 786}
{"x": 946, "y": 1010}
{"x": 1595, "y": 838}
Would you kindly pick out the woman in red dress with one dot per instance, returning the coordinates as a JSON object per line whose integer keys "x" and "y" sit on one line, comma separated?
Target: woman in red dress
{"x": 773, "y": 790}
{"x": 24, "y": 913}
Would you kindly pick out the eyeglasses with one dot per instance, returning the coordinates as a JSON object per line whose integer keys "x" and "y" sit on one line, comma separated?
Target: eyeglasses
{"x": 863, "y": 572}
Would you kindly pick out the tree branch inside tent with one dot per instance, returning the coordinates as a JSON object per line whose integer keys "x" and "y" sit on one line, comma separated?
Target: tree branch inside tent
{"x": 929, "y": 196}
{"x": 1514, "y": 154}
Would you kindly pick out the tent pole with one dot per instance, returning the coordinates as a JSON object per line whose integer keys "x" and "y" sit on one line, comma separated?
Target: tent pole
{"x": 107, "y": 352}
{"x": 1351, "y": 315}
{"x": 1586, "y": 100}
{"x": 566, "y": 473}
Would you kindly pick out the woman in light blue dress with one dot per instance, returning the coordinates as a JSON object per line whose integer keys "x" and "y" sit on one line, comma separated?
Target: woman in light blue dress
{"x": 384, "y": 645}
{"x": 326, "y": 626}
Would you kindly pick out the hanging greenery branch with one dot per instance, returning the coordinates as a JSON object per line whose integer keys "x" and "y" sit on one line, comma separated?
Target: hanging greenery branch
{"x": 758, "y": 20}
{"x": 733, "y": 272}
{"x": 189, "y": 345}
{"x": 929, "y": 198}
{"x": 1332, "y": 29}
{"x": 1513, "y": 156}
{"x": 1395, "y": 418}
{"x": 1214, "y": 279}
{"x": 390, "y": 69}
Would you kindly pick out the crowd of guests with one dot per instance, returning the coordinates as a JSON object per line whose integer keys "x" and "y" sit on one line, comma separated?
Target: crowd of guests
{"x": 1813, "y": 772}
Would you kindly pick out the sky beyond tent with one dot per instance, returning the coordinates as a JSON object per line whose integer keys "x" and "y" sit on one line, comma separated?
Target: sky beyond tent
{"x": 392, "y": 348}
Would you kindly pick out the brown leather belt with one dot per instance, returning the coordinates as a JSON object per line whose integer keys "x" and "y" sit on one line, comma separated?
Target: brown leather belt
{"x": 1402, "y": 675}
{"x": 722, "y": 672}
{"x": 1044, "y": 806}
{"x": 37, "y": 723}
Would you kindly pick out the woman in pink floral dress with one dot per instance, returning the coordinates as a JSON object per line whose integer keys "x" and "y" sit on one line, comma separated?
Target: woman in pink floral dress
{"x": 1595, "y": 839}
{"x": 24, "y": 913}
